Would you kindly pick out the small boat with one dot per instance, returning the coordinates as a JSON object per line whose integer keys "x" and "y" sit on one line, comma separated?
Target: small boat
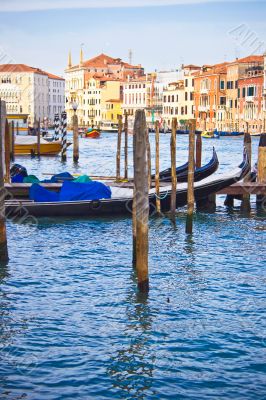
{"x": 200, "y": 173}
{"x": 210, "y": 135}
{"x": 27, "y": 145}
{"x": 234, "y": 133}
{"x": 92, "y": 133}
{"x": 108, "y": 126}
{"x": 122, "y": 198}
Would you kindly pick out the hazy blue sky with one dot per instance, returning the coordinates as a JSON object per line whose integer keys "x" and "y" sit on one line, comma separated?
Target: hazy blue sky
{"x": 161, "y": 36}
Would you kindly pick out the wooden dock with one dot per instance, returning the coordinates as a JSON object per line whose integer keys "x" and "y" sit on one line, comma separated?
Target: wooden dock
{"x": 240, "y": 188}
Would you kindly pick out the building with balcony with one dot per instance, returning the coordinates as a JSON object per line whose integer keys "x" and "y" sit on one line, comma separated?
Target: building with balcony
{"x": 100, "y": 69}
{"x": 209, "y": 96}
{"x": 250, "y": 97}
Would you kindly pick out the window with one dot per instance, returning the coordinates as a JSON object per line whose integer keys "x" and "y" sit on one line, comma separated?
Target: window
{"x": 191, "y": 96}
{"x": 186, "y": 110}
{"x": 186, "y": 83}
{"x": 185, "y": 96}
{"x": 222, "y": 101}
{"x": 251, "y": 91}
{"x": 243, "y": 92}
{"x": 173, "y": 98}
{"x": 222, "y": 85}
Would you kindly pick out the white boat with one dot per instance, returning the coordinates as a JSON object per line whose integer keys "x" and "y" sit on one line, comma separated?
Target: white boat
{"x": 108, "y": 126}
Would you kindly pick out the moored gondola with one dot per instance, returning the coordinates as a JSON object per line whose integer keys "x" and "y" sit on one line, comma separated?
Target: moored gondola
{"x": 200, "y": 173}
{"x": 121, "y": 201}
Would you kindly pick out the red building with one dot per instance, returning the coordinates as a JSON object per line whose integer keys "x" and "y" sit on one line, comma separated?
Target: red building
{"x": 250, "y": 98}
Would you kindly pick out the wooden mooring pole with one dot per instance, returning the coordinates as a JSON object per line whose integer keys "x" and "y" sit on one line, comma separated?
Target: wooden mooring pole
{"x": 38, "y": 138}
{"x": 3, "y": 237}
{"x": 198, "y": 150}
{"x": 7, "y": 152}
{"x": 141, "y": 200}
{"x": 190, "y": 185}
{"x": 118, "y": 150}
{"x": 173, "y": 167}
{"x": 126, "y": 147}
{"x": 12, "y": 142}
{"x": 157, "y": 168}
{"x": 148, "y": 147}
{"x": 75, "y": 138}
{"x": 245, "y": 204}
{"x": 262, "y": 167}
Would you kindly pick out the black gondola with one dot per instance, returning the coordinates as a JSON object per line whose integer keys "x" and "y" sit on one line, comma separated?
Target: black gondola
{"x": 121, "y": 201}
{"x": 182, "y": 171}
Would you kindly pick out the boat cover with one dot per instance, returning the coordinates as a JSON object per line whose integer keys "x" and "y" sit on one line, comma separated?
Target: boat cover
{"x": 71, "y": 191}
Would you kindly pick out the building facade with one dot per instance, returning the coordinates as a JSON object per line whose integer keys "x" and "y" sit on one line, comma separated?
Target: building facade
{"x": 107, "y": 73}
{"x": 26, "y": 91}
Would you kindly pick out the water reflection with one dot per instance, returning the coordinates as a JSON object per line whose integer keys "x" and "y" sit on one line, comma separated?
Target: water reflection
{"x": 131, "y": 367}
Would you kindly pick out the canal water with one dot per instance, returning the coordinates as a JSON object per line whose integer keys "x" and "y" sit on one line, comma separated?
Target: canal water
{"x": 72, "y": 325}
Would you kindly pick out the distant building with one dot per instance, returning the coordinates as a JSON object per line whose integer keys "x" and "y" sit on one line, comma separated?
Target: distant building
{"x": 210, "y": 96}
{"x": 27, "y": 90}
{"x": 105, "y": 70}
{"x": 178, "y": 98}
{"x": 250, "y": 94}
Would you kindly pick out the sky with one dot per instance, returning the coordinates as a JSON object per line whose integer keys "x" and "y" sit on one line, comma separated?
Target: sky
{"x": 163, "y": 34}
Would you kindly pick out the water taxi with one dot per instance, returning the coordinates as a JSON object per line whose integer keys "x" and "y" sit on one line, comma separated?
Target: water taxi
{"x": 108, "y": 126}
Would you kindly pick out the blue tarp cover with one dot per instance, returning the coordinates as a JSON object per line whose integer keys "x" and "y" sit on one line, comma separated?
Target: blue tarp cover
{"x": 71, "y": 191}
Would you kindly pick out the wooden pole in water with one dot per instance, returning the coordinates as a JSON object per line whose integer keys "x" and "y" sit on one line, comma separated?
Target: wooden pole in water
{"x": 190, "y": 185}
{"x": 245, "y": 205}
{"x": 157, "y": 167}
{"x": 198, "y": 150}
{"x": 126, "y": 147}
{"x": 7, "y": 152}
{"x": 3, "y": 237}
{"x": 148, "y": 147}
{"x": 118, "y": 151}
{"x": 142, "y": 201}
{"x": 262, "y": 165}
{"x": 17, "y": 128}
{"x": 38, "y": 138}
{"x": 75, "y": 138}
{"x": 134, "y": 216}
{"x": 173, "y": 166}
{"x": 12, "y": 146}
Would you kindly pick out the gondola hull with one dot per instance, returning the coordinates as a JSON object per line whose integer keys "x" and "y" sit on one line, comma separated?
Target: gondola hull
{"x": 123, "y": 205}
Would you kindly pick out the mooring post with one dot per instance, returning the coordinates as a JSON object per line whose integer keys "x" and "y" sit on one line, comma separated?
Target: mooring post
{"x": 190, "y": 185}
{"x": 245, "y": 204}
{"x": 134, "y": 216}
{"x": 12, "y": 142}
{"x": 3, "y": 237}
{"x": 64, "y": 136}
{"x": 262, "y": 166}
{"x": 157, "y": 167}
{"x": 75, "y": 138}
{"x": 56, "y": 127}
{"x": 198, "y": 150}
{"x": 173, "y": 167}
{"x": 7, "y": 152}
{"x": 17, "y": 128}
{"x": 126, "y": 146}
{"x": 148, "y": 147}
{"x": 141, "y": 201}
{"x": 118, "y": 150}
{"x": 38, "y": 138}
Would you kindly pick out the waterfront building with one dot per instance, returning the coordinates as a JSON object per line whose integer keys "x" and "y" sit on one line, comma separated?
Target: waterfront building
{"x": 210, "y": 96}
{"x": 178, "y": 98}
{"x": 56, "y": 88}
{"x": 250, "y": 94}
{"x": 104, "y": 70}
{"x": 264, "y": 90}
{"x": 237, "y": 70}
{"x": 25, "y": 90}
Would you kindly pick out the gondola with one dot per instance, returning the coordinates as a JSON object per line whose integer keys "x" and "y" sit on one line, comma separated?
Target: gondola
{"x": 200, "y": 173}
{"x": 121, "y": 201}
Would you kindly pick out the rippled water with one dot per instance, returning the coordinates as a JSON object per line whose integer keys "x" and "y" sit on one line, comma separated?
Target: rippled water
{"x": 73, "y": 325}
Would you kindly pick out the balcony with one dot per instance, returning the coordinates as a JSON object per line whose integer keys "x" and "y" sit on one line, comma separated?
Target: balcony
{"x": 204, "y": 108}
{"x": 250, "y": 99}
